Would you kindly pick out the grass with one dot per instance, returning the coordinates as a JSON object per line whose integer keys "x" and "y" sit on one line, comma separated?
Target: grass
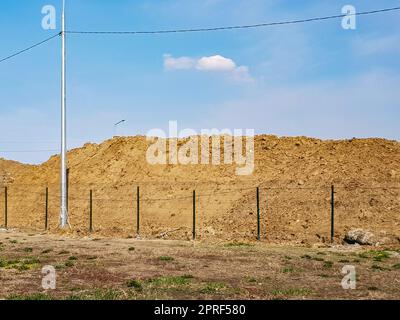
{"x": 34, "y": 296}
{"x": 165, "y": 258}
{"x": 13, "y": 241}
{"x": 27, "y": 249}
{"x": 170, "y": 280}
{"x": 238, "y": 245}
{"x": 396, "y": 266}
{"x": 328, "y": 264}
{"x": 47, "y": 251}
{"x": 62, "y": 252}
{"x": 288, "y": 270}
{"x": 98, "y": 294}
{"x": 135, "y": 284}
{"x": 378, "y": 268}
{"x": 69, "y": 264}
{"x": 380, "y": 256}
{"x": 20, "y": 265}
{"x": 213, "y": 287}
{"x": 375, "y": 255}
{"x": 292, "y": 292}
{"x": 131, "y": 249}
{"x": 72, "y": 258}
{"x": 317, "y": 259}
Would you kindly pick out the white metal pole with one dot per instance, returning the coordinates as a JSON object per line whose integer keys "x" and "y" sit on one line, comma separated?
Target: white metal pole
{"x": 63, "y": 209}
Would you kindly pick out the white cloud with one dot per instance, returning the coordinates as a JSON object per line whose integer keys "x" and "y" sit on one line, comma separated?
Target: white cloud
{"x": 378, "y": 45}
{"x": 242, "y": 74}
{"x": 183, "y": 63}
{"x": 216, "y": 63}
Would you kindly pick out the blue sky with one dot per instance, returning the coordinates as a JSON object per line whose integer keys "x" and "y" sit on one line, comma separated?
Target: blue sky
{"x": 313, "y": 79}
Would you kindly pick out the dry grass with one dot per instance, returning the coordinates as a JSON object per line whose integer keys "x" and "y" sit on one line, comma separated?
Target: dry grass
{"x": 188, "y": 270}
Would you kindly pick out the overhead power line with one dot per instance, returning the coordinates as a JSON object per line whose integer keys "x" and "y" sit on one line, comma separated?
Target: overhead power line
{"x": 259, "y": 25}
{"x": 29, "y": 48}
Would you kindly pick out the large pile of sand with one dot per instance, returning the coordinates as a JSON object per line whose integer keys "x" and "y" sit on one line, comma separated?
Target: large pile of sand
{"x": 294, "y": 175}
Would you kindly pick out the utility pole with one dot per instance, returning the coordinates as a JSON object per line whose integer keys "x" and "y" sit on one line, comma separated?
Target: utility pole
{"x": 63, "y": 206}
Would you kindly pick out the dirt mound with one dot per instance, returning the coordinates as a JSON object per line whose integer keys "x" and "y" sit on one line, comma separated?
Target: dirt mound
{"x": 294, "y": 175}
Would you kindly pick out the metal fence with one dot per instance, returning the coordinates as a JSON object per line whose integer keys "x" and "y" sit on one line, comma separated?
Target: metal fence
{"x": 199, "y": 211}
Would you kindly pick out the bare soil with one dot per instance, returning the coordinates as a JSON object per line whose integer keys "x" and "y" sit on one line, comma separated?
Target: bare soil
{"x": 294, "y": 174}
{"x": 115, "y": 269}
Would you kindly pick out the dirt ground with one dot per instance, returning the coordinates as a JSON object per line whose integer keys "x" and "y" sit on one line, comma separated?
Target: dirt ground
{"x": 115, "y": 269}
{"x": 294, "y": 174}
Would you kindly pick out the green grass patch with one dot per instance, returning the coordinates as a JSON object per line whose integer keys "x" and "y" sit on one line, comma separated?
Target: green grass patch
{"x": 13, "y": 241}
{"x": 165, "y": 258}
{"x": 69, "y": 264}
{"x": 375, "y": 255}
{"x": 214, "y": 287}
{"x": 98, "y": 294}
{"x": 170, "y": 280}
{"x": 20, "y": 265}
{"x": 288, "y": 270}
{"x": 396, "y": 266}
{"x": 28, "y": 250}
{"x": 292, "y": 292}
{"x": 72, "y": 258}
{"x": 135, "y": 284}
{"x": 380, "y": 256}
{"x": 328, "y": 264}
{"x": 34, "y": 296}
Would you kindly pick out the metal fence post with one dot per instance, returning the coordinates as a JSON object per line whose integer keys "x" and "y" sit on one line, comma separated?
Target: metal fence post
{"x": 46, "y": 210}
{"x": 332, "y": 213}
{"x": 67, "y": 189}
{"x": 138, "y": 211}
{"x": 258, "y": 215}
{"x": 5, "y": 208}
{"x": 91, "y": 212}
{"x": 265, "y": 215}
{"x": 194, "y": 215}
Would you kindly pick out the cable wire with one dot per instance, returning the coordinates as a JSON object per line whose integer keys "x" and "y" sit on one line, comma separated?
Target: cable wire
{"x": 29, "y": 48}
{"x": 259, "y": 25}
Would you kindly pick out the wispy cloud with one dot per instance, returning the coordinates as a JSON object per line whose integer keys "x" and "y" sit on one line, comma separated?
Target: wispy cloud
{"x": 216, "y": 63}
{"x": 378, "y": 45}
